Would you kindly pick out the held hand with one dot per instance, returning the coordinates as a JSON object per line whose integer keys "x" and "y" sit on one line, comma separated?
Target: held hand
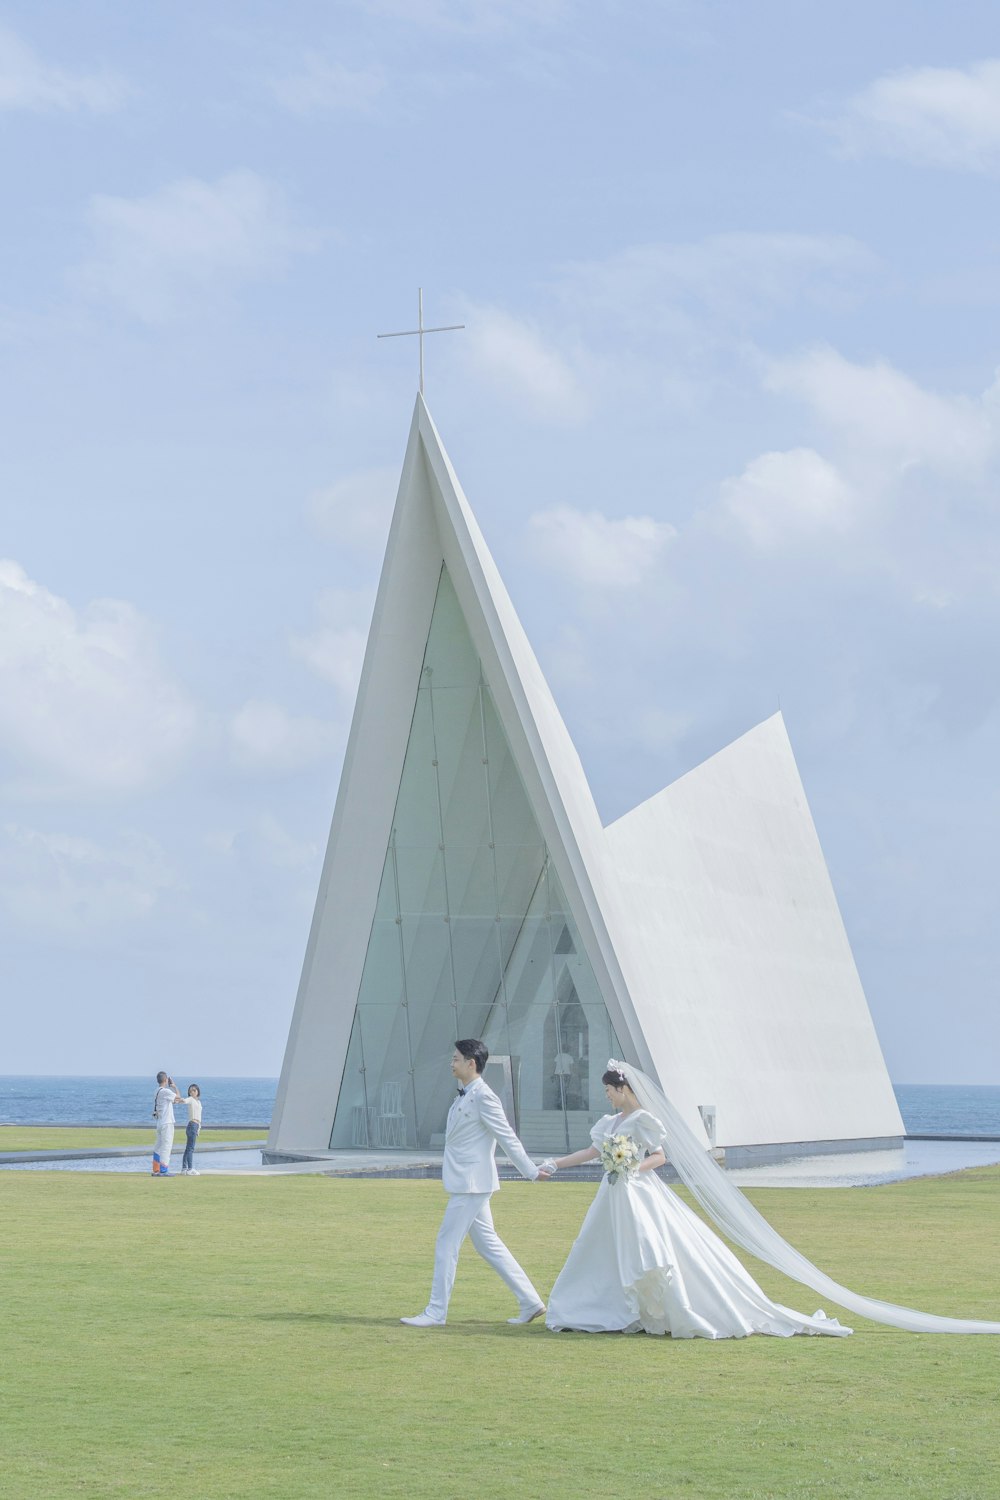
{"x": 543, "y": 1176}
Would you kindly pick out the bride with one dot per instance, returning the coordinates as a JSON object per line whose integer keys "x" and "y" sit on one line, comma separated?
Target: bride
{"x": 643, "y": 1261}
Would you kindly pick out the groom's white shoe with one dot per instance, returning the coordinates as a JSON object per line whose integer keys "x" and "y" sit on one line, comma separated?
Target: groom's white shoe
{"x": 423, "y": 1321}
{"x": 530, "y": 1315}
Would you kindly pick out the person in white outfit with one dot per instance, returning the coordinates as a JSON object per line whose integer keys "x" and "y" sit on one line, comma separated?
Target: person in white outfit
{"x": 476, "y": 1124}
{"x": 164, "y": 1099}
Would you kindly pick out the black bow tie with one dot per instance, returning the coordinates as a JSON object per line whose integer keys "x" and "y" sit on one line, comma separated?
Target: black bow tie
{"x": 461, "y": 1093}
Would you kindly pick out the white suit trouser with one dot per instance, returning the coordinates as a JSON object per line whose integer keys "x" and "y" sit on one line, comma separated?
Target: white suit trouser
{"x": 164, "y": 1142}
{"x": 469, "y": 1214}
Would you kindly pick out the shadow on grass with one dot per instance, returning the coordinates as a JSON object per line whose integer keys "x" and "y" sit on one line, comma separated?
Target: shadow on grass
{"x": 343, "y": 1319}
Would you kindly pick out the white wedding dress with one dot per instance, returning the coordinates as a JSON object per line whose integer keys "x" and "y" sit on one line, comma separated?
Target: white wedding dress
{"x": 644, "y": 1262}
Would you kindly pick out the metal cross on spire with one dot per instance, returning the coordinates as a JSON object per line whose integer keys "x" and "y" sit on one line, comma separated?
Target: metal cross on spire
{"x": 419, "y": 331}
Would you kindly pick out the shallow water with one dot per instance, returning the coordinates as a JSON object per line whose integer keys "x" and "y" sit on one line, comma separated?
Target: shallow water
{"x": 870, "y": 1168}
{"x": 205, "y": 1161}
{"x": 849, "y": 1169}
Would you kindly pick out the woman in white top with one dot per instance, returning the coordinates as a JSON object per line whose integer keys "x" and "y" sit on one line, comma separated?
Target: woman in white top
{"x": 193, "y": 1102}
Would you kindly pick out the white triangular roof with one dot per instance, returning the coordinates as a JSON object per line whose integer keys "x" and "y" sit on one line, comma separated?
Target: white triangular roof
{"x": 433, "y": 524}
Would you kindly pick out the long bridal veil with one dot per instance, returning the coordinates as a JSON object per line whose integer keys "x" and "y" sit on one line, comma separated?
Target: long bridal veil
{"x": 739, "y": 1220}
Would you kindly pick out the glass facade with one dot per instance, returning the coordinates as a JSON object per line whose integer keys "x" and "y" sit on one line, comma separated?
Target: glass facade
{"x": 471, "y": 936}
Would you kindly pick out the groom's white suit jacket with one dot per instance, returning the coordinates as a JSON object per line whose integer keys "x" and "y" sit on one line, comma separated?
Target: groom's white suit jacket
{"x": 476, "y": 1125}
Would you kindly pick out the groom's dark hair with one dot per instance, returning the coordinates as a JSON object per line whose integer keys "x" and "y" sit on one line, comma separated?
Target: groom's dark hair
{"x": 474, "y": 1051}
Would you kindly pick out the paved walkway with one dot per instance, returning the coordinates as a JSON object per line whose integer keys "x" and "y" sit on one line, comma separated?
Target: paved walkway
{"x": 100, "y": 1153}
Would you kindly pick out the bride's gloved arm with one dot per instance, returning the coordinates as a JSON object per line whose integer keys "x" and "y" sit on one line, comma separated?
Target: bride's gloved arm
{"x": 653, "y": 1160}
{"x": 589, "y": 1153}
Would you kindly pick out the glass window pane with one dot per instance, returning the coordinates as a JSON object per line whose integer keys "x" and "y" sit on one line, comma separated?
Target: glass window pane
{"x": 527, "y": 966}
{"x": 433, "y": 1082}
{"x": 387, "y": 1076}
{"x": 495, "y": 1032}
{"x": 458, "y": 738}
{"x": 417, "y": 820}
{"x": 475, "y": 947}
{"x": 450, "y": 654}
{"x": 427, "y": 954}
{"x": 513, "y": 820}
{"x": 471, "y": 881}
{"x": 350, "y": 1128}
{"x": 387, "y": 907}
{"x": 440, "y": 964}
{"x": 420, "y": 872}
{"x": 382, "y": 979}
{"x": 519, "y": 876}
{"x": 603, "y": 1044}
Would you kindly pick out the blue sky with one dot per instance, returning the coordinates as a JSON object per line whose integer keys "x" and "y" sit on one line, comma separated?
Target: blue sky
{"x": 726, "y": 406}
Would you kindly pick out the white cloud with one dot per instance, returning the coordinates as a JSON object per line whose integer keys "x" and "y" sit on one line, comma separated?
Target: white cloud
{"x": 882, "y": 410}
{"x": 28, "y": 83}
{"x": 568, "y": 658}
{"x": 596, "y": 551}
{"x": 323, "y": 87}
{"x": 335, "y": 650}
{"x": 70, "y": 885}
{"x": 335, "y": 655}
{"x": 265, "y": 841}
{"x": 268, "y": 842}
{"x": 265, "y": 737}
{"x": 84, "y": 700}
{"x": 155, "y": 254}
{"x": 781, "y": 498}
{"x": 737, "y": 275}
{"x": 512, "y": 356}
{"x": 356, "y": 510}
{"x": 947, "y": 117}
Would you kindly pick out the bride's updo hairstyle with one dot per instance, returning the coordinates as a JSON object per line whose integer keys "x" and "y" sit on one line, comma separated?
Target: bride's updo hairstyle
{"x": 615, "y": 1079}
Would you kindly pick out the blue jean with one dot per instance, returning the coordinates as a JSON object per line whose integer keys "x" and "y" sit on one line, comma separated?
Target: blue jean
{"x": 192, "y": 1135}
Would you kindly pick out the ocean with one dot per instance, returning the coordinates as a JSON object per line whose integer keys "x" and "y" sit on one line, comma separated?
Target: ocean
{"x": 949, "y": 1109}
{"x": 28, "y": 1100}
{"x": 927, "y": 1108}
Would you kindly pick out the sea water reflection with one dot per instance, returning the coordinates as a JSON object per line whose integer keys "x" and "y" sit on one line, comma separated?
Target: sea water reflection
{"x": 206, "y": 1161}
{"x": 847, "y": 1169}
{"x": 870, "y": 1168}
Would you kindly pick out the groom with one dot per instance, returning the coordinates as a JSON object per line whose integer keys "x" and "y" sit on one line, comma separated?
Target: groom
{"x": 476, "y": 1122}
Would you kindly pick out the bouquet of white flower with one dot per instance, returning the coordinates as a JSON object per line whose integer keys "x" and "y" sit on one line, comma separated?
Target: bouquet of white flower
{"x": 620, "y": 1157}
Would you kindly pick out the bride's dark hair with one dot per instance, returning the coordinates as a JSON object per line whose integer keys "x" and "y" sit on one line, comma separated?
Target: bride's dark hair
{"x": 617, "y": 1080}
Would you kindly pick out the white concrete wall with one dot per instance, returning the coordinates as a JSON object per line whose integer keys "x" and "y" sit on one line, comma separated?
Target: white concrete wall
{"x": 736, "y": 955}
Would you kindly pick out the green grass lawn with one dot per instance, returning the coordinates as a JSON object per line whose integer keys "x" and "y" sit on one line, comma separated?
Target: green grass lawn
{"x": 226, "y": 1337}
{"x": 73, "y": 1138}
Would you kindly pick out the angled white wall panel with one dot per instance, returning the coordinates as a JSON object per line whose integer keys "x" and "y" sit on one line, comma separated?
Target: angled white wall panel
{"x": 740, "y": 967}
{"x": 324, "y": 1010}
